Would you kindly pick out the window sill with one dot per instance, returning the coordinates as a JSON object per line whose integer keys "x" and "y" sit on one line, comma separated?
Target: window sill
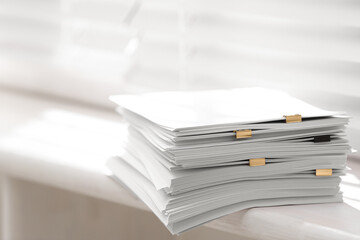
{"x": 65, "y": 146}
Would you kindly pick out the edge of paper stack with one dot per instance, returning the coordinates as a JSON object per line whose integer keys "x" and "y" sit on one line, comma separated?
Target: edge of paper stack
{"x": 192, "y": 157}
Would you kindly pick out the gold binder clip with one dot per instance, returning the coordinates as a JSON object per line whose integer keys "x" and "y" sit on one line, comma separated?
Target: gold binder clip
{"x": 293, "y": 118}
{"x": 256, "y": 162}
{"x": 324, "y": 172}
{"x": 247, "y": 133}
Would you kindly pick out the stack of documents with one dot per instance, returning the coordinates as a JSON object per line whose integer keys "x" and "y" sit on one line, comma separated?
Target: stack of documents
{"x": 196, "y": 156}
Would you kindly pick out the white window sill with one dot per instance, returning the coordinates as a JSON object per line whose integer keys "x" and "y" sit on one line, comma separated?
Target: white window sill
{"x": 65, "y": 145}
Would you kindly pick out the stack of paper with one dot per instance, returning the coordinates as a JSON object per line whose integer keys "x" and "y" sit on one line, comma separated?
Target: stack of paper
{"x": 196, "y": 156}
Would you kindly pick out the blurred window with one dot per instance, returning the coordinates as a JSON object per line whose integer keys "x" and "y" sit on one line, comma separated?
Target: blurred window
{"x": 89, "y": 49}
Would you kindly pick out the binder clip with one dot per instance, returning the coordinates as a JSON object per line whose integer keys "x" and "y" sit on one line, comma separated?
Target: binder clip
{"x": 323, "y": 138}
{"x": 293, "y": 118}
{"x": 247, "y": 133}
{"x": 324, "y": 172}
{"x": 256, "y": 162}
